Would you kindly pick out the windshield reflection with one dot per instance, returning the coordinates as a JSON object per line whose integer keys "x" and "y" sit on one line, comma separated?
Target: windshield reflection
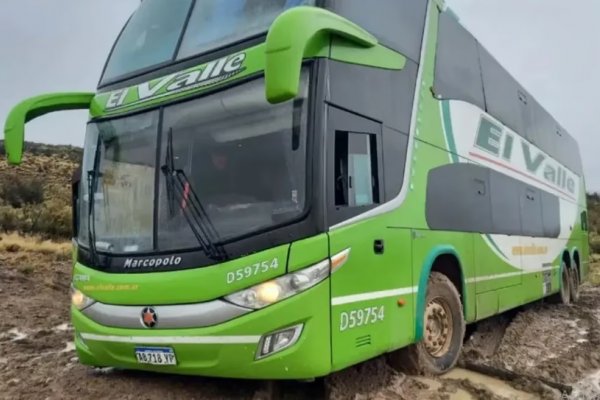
{"x": 219, "y": 168}
{"x": 124, "y": 187}
{"x": 244, "y": 158}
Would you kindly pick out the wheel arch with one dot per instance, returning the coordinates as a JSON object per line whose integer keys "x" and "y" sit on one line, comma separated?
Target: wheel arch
{"x": 576, "y": 259}
{"x": 566, "y": 257}
{"x": 443, "y": 259}
{"x": 565, "y": 260}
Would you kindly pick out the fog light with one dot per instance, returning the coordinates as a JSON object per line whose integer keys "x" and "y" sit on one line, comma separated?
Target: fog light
{"x": 277, "y": 341}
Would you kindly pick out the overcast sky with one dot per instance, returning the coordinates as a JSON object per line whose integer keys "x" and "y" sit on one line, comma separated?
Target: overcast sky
{"x": 551, "y": 46}
{"x": 54, "y": 46}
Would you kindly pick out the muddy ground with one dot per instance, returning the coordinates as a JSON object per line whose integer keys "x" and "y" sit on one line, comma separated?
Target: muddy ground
{"x": 542, "y": 351}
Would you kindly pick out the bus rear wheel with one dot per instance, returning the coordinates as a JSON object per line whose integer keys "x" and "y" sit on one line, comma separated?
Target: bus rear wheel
{"x": 564, "y": 295}
{"x": 443, "y": 331}
{"x": 574, "y": 284}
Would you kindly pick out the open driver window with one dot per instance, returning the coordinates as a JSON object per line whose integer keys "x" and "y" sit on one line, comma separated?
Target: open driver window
{"x": 356, "y": 169}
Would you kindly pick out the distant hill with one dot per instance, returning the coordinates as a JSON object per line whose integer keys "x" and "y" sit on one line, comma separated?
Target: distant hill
{"x": 593, "y": 202}
{"x": 72, "y": 153}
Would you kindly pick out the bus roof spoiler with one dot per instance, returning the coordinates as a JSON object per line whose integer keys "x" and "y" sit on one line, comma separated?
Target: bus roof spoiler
{"x": 27, "y": 110}
{"x": 303, "y": 32}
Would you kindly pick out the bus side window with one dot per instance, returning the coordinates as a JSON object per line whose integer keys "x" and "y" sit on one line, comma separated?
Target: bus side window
{"x": 584, "y": 221}
{"x": 356, "y": 169}
{"x": 75, "y": 182}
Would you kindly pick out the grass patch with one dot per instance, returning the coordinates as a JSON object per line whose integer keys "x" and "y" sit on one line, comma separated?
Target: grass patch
{"x": 594, "y": 275}
{"x": 13, "y": 243}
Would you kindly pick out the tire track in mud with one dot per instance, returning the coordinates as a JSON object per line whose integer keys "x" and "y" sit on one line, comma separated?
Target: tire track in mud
{"x": 555, "y": 343}
{"x": 37, "y": 360}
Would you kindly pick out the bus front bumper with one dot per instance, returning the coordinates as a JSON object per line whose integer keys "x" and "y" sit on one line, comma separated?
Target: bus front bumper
{"x": 226, "y": 350}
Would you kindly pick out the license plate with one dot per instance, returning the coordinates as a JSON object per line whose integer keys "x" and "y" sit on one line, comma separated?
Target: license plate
{"x": 155, "y": 355}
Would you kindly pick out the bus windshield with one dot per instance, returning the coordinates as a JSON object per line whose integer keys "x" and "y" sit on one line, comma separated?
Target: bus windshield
{"x": 154, "y": 32}
{"x": 243, "y": 162}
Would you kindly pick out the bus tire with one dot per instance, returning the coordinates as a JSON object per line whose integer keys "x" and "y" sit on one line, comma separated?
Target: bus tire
{"x": 443, "y": 331}
{"x": 574, "y": 284}
{"x": 564, "y": 294}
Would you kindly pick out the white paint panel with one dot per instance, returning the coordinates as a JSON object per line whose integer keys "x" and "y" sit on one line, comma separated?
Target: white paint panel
{"x": 506, "y": 275}
{"x": 466, "y": 119}
{"x": 528, "y": 262}
{"x": 465, "y": 123}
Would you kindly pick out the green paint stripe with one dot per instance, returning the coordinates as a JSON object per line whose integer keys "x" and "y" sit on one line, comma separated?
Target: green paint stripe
{"x": 495, "y": 245}
{"x": 436, "y": 252}
{"x": 448, "y": 130}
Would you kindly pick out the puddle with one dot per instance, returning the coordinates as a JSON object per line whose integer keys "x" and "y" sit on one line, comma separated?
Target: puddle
{"x": 587, "y": 388}
{"x": 69, "y": 347}
{"x": 13, "y": 335}
{"x": 435, "y": 386}
{"x": 493, "y": 385}
{"x": 572, "y": 323}
{"x": 63, "y": 327}
{"x": 104, "y": 370}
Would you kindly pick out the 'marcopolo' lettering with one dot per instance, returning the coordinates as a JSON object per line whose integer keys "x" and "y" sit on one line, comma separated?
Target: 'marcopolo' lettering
{"x": 152, "y": 262}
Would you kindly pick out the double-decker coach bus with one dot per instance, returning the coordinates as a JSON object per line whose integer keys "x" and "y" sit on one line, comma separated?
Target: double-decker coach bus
{"x": 282, "y": 189}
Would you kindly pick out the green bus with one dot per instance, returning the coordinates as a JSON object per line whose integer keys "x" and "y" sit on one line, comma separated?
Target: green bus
{"x": 283, "y": 189}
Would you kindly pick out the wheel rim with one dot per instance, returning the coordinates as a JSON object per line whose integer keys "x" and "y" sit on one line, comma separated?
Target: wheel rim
{"x": 565, "y": 292}
{"x": 575, "y": 279}
{"x": 438, "y": 327}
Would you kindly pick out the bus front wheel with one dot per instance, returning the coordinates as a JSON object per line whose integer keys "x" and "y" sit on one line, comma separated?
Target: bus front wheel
{"x": 443, "y": 331}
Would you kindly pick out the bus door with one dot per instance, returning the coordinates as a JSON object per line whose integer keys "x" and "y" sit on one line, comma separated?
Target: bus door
{"x": 368, "y": 285}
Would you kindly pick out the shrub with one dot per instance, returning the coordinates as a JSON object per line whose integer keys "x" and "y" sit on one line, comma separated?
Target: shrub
{"x": 13, "y": 248}
{"x": 55, "y": 220}
{"x": 595, "y": 245}
{"x": 50, "y": 220}
{"x": 9, "y": 219}
{"x": 22, "y": 191}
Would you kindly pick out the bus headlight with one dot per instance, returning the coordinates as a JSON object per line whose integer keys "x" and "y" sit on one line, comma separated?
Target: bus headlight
{"x": 270, "y": 292}
{"x": 80, "y": 300}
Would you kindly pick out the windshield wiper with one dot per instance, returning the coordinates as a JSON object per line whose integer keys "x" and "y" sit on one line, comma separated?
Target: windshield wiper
{"x": 193, "y": 210}
{"x": 92, "y": 183}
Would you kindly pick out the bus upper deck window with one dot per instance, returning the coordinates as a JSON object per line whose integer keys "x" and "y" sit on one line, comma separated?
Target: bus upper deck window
{"x": 150, "y": 37}
{"x": 215, "y": 23}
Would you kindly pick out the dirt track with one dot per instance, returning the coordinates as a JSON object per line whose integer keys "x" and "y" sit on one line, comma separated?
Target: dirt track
{"x": 559, "y": 344}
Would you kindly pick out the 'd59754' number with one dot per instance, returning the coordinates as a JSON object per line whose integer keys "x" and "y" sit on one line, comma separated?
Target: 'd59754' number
{"x": 252, "y": 270}
{"x": 361, "y": 317}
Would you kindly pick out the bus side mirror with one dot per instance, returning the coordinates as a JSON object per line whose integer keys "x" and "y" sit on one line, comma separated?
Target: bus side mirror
{"x": 305, "y": 32}
{"x": 14, "y": 128}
